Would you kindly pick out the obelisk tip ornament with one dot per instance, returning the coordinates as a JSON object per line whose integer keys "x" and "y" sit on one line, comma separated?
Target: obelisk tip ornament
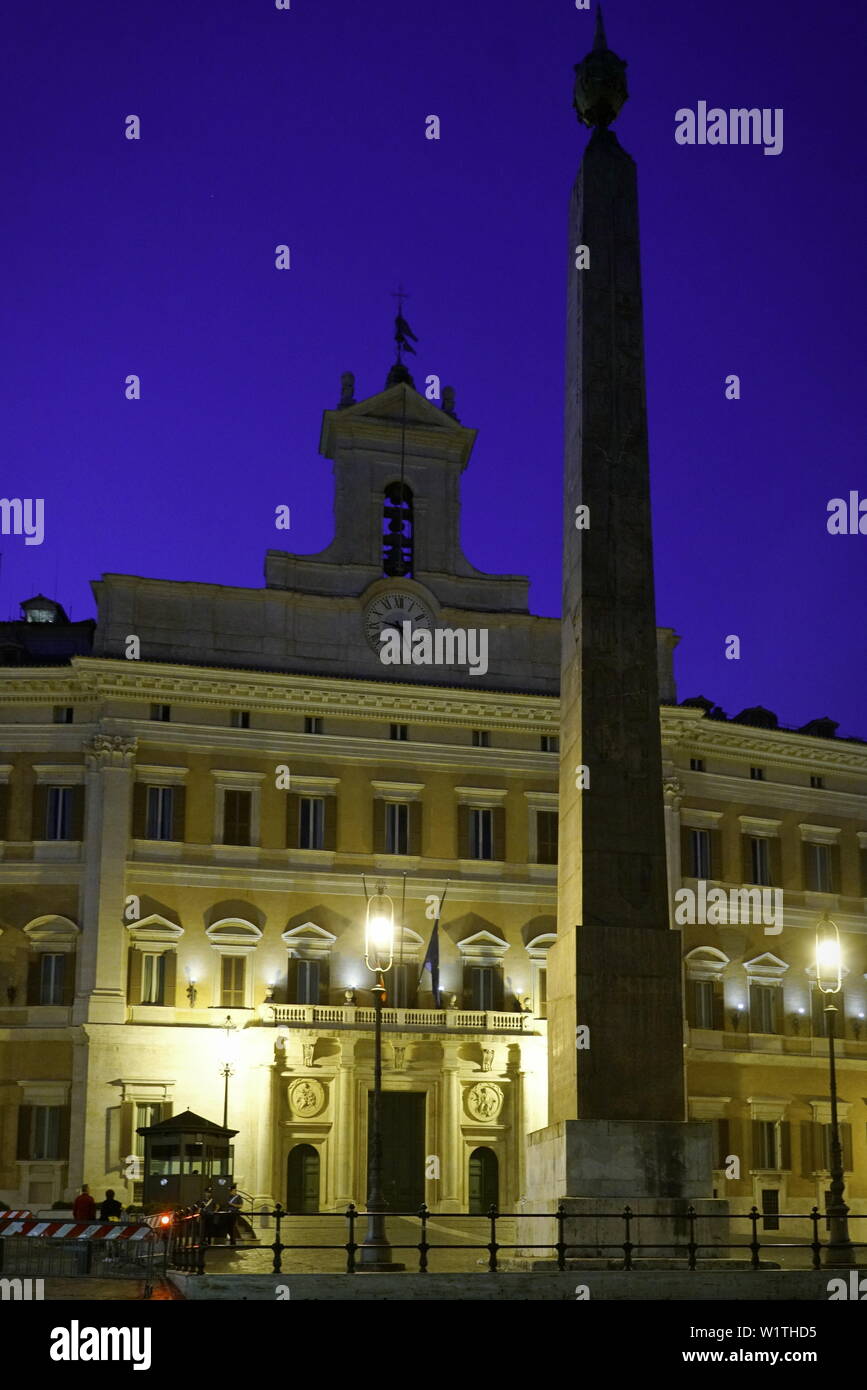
{"x": 600, "y": 81}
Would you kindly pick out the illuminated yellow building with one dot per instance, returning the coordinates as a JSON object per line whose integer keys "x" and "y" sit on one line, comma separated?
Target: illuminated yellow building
{"x": 191, "y": 794}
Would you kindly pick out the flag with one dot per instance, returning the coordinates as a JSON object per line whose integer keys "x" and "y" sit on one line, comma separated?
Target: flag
{"x": 432, "y": 962}
{"x": 403, "y": 333}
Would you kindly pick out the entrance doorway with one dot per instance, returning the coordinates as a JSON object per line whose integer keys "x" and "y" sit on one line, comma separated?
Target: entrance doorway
{"x": 402, "y": 1147}
{"x": 484, "y": 1181}
{"x": 302, "y": 1180}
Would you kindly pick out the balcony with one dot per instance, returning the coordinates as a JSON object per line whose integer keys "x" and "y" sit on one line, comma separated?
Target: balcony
{"x": 444, "y": 1020}
{"x": 787, "y": 1044}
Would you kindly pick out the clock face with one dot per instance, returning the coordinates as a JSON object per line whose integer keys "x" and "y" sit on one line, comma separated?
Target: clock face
{"x": 390, "y": 610}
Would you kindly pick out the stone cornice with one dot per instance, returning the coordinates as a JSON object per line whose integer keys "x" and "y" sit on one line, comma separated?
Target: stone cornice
{"x": 98, "y": 678}
{"x": 183, "y": 739}
{"x": 782, "y": 796}
{"x": 293, "y": 879}
{"x": 699, "y": 736}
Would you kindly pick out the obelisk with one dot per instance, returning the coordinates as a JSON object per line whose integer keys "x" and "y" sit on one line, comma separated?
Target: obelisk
{"x": 616, "y": 1067}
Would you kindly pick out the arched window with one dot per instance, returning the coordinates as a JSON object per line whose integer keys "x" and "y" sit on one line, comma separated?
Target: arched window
{"x": 397, "y": 531}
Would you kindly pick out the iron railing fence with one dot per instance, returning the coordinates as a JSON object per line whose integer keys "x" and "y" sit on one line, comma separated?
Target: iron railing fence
{"x": 47, "y": 1257}
{"x": 192, "y": 1233}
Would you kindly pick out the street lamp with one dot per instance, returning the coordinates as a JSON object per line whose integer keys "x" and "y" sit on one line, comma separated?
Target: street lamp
{"x": 839, "y": 1251}
{"x": 230, "y": 1057}
{"x": 378, "y": 957}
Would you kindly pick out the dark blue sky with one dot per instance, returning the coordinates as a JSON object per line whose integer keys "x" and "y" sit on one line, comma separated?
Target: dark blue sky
{"x": 262, "y": 126}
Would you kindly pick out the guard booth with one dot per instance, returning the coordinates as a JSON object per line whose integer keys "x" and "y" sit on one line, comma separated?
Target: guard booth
{"x": 184, "y": 1156}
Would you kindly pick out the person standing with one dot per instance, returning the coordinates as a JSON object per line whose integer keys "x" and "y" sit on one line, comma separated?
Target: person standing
{"x": 236, "y": 1201}
{"x": 110, "y": 1209}
{"x": 84, "y": 1207}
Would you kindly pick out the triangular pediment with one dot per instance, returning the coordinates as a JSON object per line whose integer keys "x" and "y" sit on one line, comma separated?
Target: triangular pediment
{"x": 389, "y": 405}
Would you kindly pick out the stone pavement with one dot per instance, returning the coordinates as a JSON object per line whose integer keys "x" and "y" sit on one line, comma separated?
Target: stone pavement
{"x": 332, "y": 1230}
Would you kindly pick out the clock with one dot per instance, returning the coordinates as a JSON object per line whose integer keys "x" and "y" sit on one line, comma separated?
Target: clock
{"x": 392, "y": 608}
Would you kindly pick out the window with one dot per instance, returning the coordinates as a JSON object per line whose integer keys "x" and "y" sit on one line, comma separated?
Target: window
{"x": 702, "y": 1004}
{"x": 400, "y": 732}
{"x": 696, "y": 764}
{"x": 720, "y": 1142}
{"x": 52, "y": 976}
{"x": 757, "y": 774}
{"x": 820, "y": 1018}
{"x": 819, "y": 868}
{"x": 482, "y": 987}
{"x": 232, "y": 982}
{"x": 311, "y": 822}
{"x": 823, "y": 1147}
{"x": 402, "y": 984}
{"x": 239, "y": 719}
{"x": 550, "y": 743}
{"x": 307, "y": 982}
{"x": 46, "y": 1124}
{"x": 542, "y": 992}
{"x": 766, "y": 1147}
{"x": 396, "y": 827}
{"x": 147, "y": 1113}
{"x": 817, "y": 783}
{"x": 398, "y": 531}
{"x": 63, "y": 714}
{"x": 770, "y": 1209}
{"x": 763, "y": 1008}
{"x": 481, "y": 738}
{"x": 161, "y": 713}
{"x": 153, "y": 978}
{"x": 546, "y": 837}
{"x": 159, "y": 820}
{"x": 312, "y": 724}
{"x": 481, "y": 833}
{"x": 760, "y": 861}
{"x": 58, "y": 818}
{"x": 237, "y": 813}
{"x": 699, "y": 844}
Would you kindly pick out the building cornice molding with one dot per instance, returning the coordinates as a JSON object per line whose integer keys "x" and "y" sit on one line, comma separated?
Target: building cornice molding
{"x": 760, "y": 827}
{"x": 782, "y": 796}
{"x": 700, "y": 737}
{"x": 161, "y": 774}
{"x": 291, "y": 879}
{"x": 100, "y": 678}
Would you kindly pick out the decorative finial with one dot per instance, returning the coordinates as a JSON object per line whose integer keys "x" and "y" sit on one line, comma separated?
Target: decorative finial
{"x": 448, "y": 405}
{"x": 347, "y": 390}
{"x": 600, "y": 81}
{"x": 599, "y": 39}
{"x": 402, "y": 336}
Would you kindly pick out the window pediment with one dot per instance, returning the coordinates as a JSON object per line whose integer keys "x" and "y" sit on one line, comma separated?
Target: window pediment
{"x": 705, "y": 963}
{"x": 154, "y": 930}
{"x": 483, "y": 945}
{"x": 234, "y": 932}
{"x": 308, "y": 941}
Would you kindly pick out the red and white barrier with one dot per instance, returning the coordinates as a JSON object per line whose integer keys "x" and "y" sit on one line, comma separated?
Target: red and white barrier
{"x": 77, "y": 1230}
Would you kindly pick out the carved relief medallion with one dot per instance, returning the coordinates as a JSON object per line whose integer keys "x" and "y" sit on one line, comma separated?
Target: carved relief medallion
{"x": 484, "y": 1101}
{"x": 306, "y": 1098}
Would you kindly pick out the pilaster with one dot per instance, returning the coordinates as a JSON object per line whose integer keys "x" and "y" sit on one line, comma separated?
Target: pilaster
{"x": 101, "y": 987}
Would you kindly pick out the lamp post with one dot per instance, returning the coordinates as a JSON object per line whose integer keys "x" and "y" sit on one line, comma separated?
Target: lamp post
{"x": 228, "y": 1067}
{"x": 378, "y": 957}
{"x": 839, "y": 1252}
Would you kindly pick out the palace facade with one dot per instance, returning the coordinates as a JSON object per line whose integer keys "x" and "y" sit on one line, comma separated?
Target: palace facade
{"x": 194, "y": 791}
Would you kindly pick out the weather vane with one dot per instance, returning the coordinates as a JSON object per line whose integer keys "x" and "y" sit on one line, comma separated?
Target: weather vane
{"x": 402, "y": 331}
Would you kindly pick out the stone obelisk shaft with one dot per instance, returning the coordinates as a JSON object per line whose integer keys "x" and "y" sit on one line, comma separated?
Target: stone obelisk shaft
{"x": 616, "y": 966}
